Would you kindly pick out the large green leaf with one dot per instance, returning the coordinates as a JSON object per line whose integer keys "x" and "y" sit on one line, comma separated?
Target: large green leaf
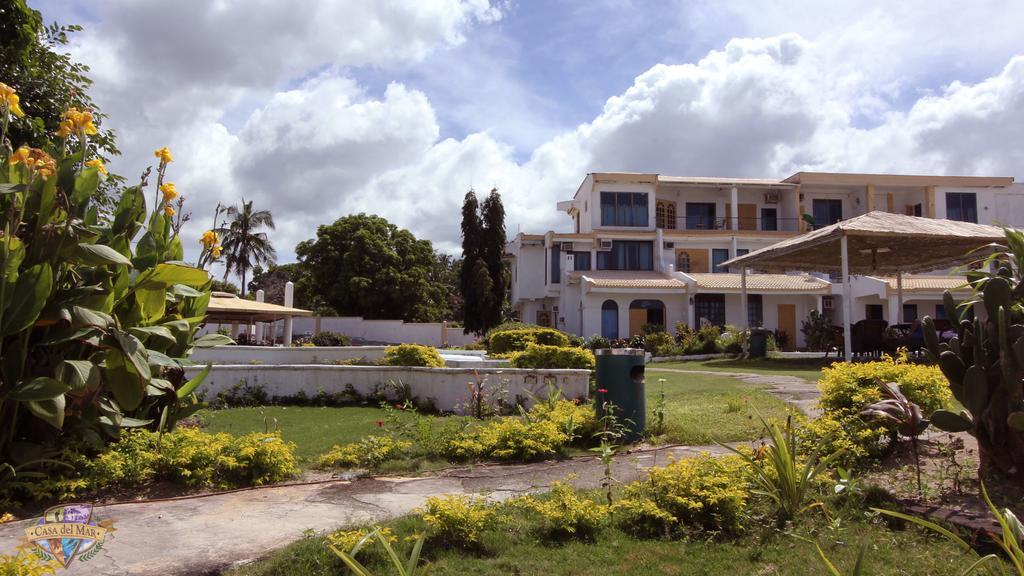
{"x": 135, "y": 354}
{"x": 85, "y": 184}
{"x": 78, "y": 374}
{"x": 212, "y": 339}
{"x": 152, "y": 303}
{"x": 100, "y": 255}
{"x": 30, "y": 295}
{"x": 41, "y": 388}
{"x": 160, "y": 333}
{"x": 130, "y": 211}
{"x": 86, "y": 317}
{"x": 127, "y": 385}
{"x": 194, "y": 382}
{"x": 166, "y": 274}
{"x": 951, "y": 422}
{"x": 50, "y": 411}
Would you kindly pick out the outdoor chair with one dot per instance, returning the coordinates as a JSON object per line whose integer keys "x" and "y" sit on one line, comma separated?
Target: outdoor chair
{"x": 868, "y": 337}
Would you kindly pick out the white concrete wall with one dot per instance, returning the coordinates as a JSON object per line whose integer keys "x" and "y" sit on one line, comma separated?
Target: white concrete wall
{"x": 445, "y": 387}
{"x": 390, "y": 331}
{"x": 675, "y": 310}
{"x": 287, "y": 355}
{"x": 996, "y": 206}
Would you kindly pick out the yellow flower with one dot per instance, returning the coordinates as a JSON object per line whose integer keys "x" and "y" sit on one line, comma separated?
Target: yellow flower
{"x": 164, "y": 155}
{"x": 216, "y": 251}
{"x": 80, "y": 122}
{"x": 98, "y": 164}
{"x": 209, "y": 239}
{"x": 10, "y": 100}
{"x": 170, "y": 192}
{"x": 21, "y": 155}
{"x": 37, "y": 161}
{"x": 168, "y": 211}
{"x": 64, "y": 129}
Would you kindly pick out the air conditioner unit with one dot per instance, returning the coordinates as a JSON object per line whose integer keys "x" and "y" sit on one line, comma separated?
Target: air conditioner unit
{"x": 827, "y": 302}
{"x": 669, "y": 245}
{"x": 605, "y": 245}
{"x": 771, "y": 197}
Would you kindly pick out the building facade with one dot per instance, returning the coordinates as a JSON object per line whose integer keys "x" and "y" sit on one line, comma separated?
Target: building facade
{"x": 647, "y": 249}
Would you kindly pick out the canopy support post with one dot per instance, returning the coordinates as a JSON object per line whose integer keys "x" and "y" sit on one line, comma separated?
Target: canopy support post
{"x": 847, "y": 305}
{"x": 899, "y": 296}
{"x": 744, "y": 310}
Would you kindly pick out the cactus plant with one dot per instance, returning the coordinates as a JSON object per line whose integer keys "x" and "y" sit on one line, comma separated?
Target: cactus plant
{"x": 984, "y": 364}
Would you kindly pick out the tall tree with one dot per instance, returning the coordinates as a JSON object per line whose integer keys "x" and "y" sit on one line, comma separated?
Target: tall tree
{"x": 447, "y": 274}
{"x": 273, "y": 279}
{"x": 474, "y": 310}
{"x": 362, "y": 265}
{"x": 493, "y": 217}
{"x": 47, "y": 80}
{"x": 244, "y": 244}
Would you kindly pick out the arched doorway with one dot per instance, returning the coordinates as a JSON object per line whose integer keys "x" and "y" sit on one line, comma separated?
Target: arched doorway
{"x": 643, "y": 312}
{"x": 610, "y": 319}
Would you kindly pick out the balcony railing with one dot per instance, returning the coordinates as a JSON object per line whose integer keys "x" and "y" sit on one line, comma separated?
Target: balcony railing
{"x": 743, "y": 224}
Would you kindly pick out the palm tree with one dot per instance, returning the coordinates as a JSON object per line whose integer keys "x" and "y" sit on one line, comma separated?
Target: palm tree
{"x": 244, "y": 245}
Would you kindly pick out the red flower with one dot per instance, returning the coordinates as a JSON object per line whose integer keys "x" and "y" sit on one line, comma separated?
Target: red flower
{"x": 380, "y": 423}
{"x": 400, "y": 406}
{"x": 602, "y": 390}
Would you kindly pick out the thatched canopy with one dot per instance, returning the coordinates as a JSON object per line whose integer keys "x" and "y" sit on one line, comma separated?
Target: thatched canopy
{"x": 878, "y": 243}
{"x": 227, "y": 308}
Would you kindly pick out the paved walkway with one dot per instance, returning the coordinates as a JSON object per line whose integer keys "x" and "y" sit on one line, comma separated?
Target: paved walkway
{"x": 206, "y": 534}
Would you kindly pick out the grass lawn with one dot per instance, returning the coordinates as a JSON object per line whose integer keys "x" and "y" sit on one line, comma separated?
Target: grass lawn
{"x": 510, "y": 548}
{"x": 806, "y": 368}
{"x": 703, "y": 408}
{"x": 700, "y": 409}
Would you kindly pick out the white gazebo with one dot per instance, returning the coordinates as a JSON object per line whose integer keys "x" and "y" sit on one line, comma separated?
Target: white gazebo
{"x": 874, "y": 243}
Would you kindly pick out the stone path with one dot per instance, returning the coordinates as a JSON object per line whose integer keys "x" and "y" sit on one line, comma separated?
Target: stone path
{"x": 208, "y": 533}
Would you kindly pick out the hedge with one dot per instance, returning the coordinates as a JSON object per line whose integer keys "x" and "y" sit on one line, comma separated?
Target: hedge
{"x": 553, "y": 357}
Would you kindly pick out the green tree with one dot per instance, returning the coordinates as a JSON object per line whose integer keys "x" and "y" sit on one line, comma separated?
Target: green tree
{"x": 363, "y": 265}
{"x": 273, "y": 279}
{"x": 447, "y": 274}
{"x": 493, "y": 217}
{"x": 244, "y": 245}
{"x": 223, "y": 286}
{"x": 48, "y": 82}
{"x": 469, "y": 282}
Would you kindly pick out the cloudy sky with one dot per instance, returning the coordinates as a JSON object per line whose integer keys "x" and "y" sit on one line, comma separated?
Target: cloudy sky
{"x": 319, "y": 108}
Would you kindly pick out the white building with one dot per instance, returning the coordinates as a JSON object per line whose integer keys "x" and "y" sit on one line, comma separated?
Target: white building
{"x": 645, "y": 249}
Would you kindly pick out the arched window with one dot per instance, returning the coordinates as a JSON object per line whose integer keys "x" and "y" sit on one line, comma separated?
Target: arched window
{"x": 659, "y": 214}
{"x": 610, "y": 319}
{"x": 683, "y": 262}
{"x": 670, "y": 215}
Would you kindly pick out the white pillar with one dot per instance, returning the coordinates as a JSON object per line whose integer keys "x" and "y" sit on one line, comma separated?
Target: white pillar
{"x": 659, "y": 250}
{"x": 899, "y": 296}
{"x": 894, "y": 309}
{"x": 289, "y": 296}
{"x": 847, "y": 305}
{"x": 691, "y": 313}
{"x": 734, "y": 197}
{"x": 259, "y": 325}
{"x": 743, "y": 307}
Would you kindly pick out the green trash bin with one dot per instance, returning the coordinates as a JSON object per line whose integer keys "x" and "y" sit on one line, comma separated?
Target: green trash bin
{"x": 758, "y": 344}
{"x": 620, "y": 381}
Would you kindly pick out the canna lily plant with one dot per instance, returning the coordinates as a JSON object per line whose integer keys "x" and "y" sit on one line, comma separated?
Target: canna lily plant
{"x": 98, "y": 313}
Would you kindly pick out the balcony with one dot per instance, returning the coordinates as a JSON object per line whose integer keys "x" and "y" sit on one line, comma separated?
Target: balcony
{"x": 744, "y": 224}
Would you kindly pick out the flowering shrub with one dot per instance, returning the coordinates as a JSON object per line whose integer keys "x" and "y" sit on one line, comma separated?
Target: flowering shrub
{"x": 519, "y": 339}
{"x": 457, "y": 520}
{"x": 859, "y": 440}
{"x": 412, "y": 355}
{"x": 509, "y": 438}
{"x": 261, "y": 459}
{"x": 847, "y": 387}
{"x": 698, "y": 494}
{"x": 576, "y": 421}
{"x": 369, "y": 452}
{"x": 25, "y": 563}
{"x": 660, "y": 344}
{"x": 346, "y": 540}
{"x": 565, "y": 514}
{"x": 553, "y": 357}
{"x": 195, "y": 458}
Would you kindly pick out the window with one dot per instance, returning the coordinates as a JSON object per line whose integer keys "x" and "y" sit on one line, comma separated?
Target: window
{"x": 581, "y": 261}
{"x": 909, "y": 312}
{"x": 610, "y": 319}
{"x": 683, "y": 262}
{"x": 940, "y": 312}
{"x": 556, "y": 263}
{"x": 700, "y": 215}
{"x": 710, "y": 308}
{"x": 665, "y": 215}
{"x": 719, "y": 255}
{"x": 873, "y": 312}
{"x": 755, "y": 310}
{"x": 826, "y": 212}
{"x": 769, "y": 219}
{"x": 627, "y": 255}
{"x": 962, "y": 206}
{"x": 742, "y": 251}
{"x": 623, "y": 208}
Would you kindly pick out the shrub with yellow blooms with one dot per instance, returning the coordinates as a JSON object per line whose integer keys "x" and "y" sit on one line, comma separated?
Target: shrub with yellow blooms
{"x": 456, "y": 519}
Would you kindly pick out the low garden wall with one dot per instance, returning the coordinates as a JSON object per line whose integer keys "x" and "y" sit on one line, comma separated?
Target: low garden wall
{"x": 306, "y": 354}
{"x": 446, "y": 388}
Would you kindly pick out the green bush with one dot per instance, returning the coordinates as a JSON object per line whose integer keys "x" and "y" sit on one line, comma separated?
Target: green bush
{"x": 518, "y": 340}
{"x": 370, "y": 452}
{"x": 261, "y": 459}
{"x": 565, "y": 514}
{"x": 509, "y": 438}
{"x": 732, "y": 339}
{"x": 328, "y": 338}
{"x": 553, "y": 357}
{"x": 860, "y": 441}
{"x": 660, "y": 344}
{"x": 597, "y": 342}
{"x": 412, "y": 355}
{"x": 457, "y": 520}
{"x": 693, "y": 495}
{"x": 847, "y": 387}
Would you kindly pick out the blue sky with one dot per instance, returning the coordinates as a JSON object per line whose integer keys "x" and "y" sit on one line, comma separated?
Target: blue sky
{"x": 398, "y": 107}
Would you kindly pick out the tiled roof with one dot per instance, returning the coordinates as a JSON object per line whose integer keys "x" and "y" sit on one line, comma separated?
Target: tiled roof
{"x": 629, "y": 279}
{"x": 763, "y": 282}
{"x": 928, "y": 283}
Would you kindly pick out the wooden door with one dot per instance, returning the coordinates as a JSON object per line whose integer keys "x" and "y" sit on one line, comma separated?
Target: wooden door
{"x": 698, "y": 260}
{"x": 787, "y": 324}
{"x": 748, "y": 216}
{"x": 637, "y": 319}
